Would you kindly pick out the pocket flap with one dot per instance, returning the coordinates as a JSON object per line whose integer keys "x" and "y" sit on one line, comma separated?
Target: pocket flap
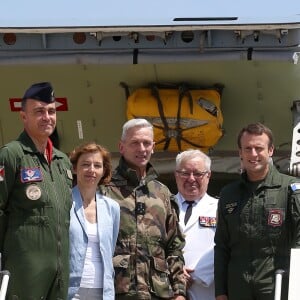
{"x": 121, "y": 261}
{"x": 160, "y": 264}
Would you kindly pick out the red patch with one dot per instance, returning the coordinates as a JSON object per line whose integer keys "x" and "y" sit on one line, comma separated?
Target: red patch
{"x": 275, "y": 217}
{"x": 2, "y": 173}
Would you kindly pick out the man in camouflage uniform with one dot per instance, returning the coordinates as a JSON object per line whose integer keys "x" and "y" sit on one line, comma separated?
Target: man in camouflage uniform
{"x": 35, "y": 200}
{"x": 148, "y": 258}
{"x": 258, "y": 223}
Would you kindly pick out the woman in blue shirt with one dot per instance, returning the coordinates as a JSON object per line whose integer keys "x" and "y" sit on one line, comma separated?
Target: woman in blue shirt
{"x": 94, "y": 226}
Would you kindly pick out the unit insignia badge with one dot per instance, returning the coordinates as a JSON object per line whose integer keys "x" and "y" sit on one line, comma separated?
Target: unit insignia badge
{"x": 275, "y": 217}
{"x": 31, "y": 174}
{"x": 33, "y": 192}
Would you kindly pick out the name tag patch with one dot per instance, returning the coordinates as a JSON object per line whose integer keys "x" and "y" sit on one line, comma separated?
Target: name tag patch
{"x": 295, "y": 186}
{"x": 230, "y": 207}
{"x": 275, "y": 217}
{"x": 207, "y": 221}
{"x": 31, "y": 174}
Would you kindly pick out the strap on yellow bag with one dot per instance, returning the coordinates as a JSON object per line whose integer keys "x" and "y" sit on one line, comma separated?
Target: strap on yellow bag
{"x": 183, "y": 117}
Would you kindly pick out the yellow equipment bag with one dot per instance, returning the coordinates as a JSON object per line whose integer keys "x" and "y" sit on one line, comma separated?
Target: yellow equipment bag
{"x": 182, "y": 117}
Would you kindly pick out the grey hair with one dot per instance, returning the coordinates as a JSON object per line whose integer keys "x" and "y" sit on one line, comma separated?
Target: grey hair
{"x": 133, "y": 123}
{"x": 192, "y": 153}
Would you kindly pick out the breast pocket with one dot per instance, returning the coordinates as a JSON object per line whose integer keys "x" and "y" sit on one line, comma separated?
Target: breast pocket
{"x": 123, "y": 273}
{"x": 159, "y": 277}
{"x": 233, "y": 223}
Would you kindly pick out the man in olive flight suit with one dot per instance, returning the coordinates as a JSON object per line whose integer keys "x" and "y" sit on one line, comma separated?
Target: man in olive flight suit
{"x": 35, "y": 199}
{"x": 258, "y": 223}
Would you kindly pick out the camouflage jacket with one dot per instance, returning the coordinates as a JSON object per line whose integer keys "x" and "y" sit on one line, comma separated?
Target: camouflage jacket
{"x": 148, "y": 259}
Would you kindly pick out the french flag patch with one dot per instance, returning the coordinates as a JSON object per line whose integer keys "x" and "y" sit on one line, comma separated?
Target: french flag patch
{"x": 295, "y": 186}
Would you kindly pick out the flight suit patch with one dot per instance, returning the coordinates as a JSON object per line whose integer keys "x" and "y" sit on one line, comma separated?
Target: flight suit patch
{"x": 295, "y": 186}
{"x": 31, "y": 174}
{"x": 207, "y": 221}
{"x": 2, "y": 173}
{"x": 33, "y": 192}
{"x": 230, "y": 207}
{"x": 275, "y": 217}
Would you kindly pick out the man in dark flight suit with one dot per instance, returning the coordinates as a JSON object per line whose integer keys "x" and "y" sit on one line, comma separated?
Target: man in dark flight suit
{"x": 258, "y": 222}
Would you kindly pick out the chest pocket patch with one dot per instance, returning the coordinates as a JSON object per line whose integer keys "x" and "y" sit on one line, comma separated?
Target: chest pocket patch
{"x": 31, "y": 174}
{"x": 275, "y": 217}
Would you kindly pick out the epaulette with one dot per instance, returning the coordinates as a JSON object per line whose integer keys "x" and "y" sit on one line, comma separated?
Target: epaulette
{"x": 159, "y": 183}
{"x": 295, "y": 186}
{"x": 120, "y": 183}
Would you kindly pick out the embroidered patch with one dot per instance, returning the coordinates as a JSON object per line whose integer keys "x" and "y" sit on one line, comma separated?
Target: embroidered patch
{"x": 230, "y": 207}
{"x": 2, "y": 173}
{"x": 31, "y": 174}
{"x": 33, "y": 192}
{"x": 295, "y": 186}
{"x": 275, "y": 217}
{"x": 207, "y": 221}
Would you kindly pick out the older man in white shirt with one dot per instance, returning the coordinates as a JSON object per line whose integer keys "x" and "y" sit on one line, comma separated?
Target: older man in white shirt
{"x": 198, "y": 221}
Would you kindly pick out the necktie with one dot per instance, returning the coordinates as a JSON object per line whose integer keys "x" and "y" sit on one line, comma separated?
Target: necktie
{"x": 188, "y": 211}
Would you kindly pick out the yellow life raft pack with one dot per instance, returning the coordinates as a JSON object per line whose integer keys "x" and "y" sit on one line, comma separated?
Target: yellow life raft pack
{"x": 183, "y": 116}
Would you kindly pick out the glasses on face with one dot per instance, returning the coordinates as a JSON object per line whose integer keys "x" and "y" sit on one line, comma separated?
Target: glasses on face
{"x": 196, "y": 174}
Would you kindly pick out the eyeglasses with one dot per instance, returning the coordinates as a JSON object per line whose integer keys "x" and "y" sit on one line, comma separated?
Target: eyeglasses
{"x": 186, "y": 175}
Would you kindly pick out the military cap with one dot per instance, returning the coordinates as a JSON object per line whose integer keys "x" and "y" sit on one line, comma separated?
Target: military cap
{"x": 42, "y": 91}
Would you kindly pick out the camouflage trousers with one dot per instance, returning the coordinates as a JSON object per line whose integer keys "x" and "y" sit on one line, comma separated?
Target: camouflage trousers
{"x": 135, "y": 297}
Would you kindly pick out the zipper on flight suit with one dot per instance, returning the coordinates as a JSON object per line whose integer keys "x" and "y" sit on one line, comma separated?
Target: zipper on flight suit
{"x": 251, "y": 219}
{"x": 58, "y": 227}
{"x": 59, "y": 252}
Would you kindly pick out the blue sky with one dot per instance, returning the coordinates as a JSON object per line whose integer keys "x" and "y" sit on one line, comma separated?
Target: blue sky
{"x": 37, "y": 13}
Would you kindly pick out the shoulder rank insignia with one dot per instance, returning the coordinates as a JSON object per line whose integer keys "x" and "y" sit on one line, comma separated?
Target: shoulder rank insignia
{"x": 295, "y": 186}
{"x": 120, "y": 183}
